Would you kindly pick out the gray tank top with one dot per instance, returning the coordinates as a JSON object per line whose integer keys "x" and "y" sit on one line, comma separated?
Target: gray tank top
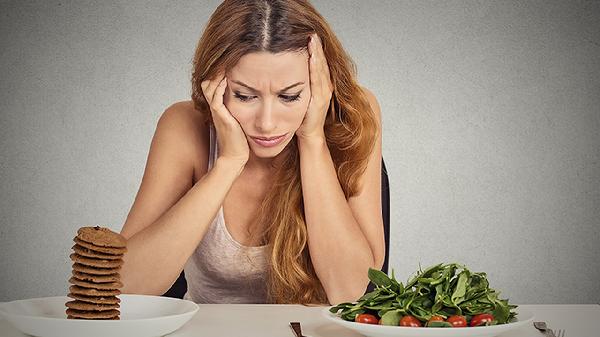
{"x": 221, "y": 270}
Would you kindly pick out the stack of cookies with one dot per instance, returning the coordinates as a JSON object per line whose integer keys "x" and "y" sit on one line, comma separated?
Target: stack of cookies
{"x": 97, "y": 258}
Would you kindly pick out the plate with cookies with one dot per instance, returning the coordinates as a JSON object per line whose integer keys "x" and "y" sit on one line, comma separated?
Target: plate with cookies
{"x": 140, "y": 316}
{"x": 94, "y": 305}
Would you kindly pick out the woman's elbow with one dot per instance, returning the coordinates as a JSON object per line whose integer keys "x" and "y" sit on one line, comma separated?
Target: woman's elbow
{"x": 140, "y": 289}
{"x": 378, "y": 259}
{"x": 349, "y": 292}
{"x": 346, "y": 296}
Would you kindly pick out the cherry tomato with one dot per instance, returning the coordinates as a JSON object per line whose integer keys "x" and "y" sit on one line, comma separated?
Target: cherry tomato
{"x": 411, "y": 321}
{"x": 482, "y": 319}
{"x": 457, "y": 321}
{"x": 366, "y": 318}
{"x": 436, "y": 318}
{"x": 437, "y": 321}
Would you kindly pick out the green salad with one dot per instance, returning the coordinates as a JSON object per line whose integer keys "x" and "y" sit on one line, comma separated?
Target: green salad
{"x": 443, "y": 295}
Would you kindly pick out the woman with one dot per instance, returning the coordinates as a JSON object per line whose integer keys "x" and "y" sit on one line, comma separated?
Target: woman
{"x": 265, "y": 188}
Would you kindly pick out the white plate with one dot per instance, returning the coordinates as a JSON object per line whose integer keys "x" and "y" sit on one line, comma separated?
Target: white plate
{"x": 372, "y": 330}
{"x": 141, "y": 316}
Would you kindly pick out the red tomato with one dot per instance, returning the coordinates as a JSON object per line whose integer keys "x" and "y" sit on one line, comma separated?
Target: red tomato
{"x": 411, "y": 321}
{"x": 457, "y": 321}
{"x": 436, "y": 318}
{"x": 366, "y": 318}
{"x": 482, "y": 319}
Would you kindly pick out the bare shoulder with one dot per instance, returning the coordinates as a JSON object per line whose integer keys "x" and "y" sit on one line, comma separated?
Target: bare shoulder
{"x": 183, "y": 113}
{"x": 373, "y": 103}
{"x": 182, "y": 119}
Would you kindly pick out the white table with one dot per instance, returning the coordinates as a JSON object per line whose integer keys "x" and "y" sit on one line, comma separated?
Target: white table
{"x": 244, "y": 320}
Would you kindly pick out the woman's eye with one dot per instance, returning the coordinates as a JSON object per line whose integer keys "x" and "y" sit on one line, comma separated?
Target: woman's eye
{"x": 286, "y": 98}
{"x": 242, "y": 97}
{"x": 290, "y": 98}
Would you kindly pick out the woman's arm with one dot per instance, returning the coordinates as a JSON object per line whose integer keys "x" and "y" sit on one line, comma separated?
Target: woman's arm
{"x": 170, "y": 215}
{"x": 345, "y": 238}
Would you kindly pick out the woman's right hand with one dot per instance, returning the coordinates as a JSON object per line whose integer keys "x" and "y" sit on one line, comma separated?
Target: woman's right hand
{"x": 231, "y": 139}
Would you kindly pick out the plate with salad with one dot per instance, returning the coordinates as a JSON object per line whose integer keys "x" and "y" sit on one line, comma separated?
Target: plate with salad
{"x": 441, "y": 300}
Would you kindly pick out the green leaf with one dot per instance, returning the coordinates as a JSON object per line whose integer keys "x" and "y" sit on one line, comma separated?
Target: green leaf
{"x": 369, "y": 295}
{"x": 420, "y": 313}
{"x": 350, "y": 316}
{"x": 379, "y": 278}
{"x": 339, "y": 306}
{"x": 411, "y": 282}
{"x": 461, "y": 287}
{"x": 391, "y": 317}
{"x": 381, "y": 306}
{"x": 430, "y": 270}
{"x": 395, "y": 286}
{"x": 501, "y": 312}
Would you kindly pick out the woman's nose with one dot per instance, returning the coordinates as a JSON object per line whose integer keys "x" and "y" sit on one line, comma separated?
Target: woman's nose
{"x": 265, "y": 122}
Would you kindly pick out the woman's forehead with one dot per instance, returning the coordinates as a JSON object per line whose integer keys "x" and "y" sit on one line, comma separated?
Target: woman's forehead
{"x": 267, "y": 69}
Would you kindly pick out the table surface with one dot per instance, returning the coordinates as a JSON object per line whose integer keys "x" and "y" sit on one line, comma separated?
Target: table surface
{"x": 263, "y": 320}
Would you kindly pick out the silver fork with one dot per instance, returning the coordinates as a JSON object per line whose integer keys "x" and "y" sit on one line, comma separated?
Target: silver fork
{"x": 541, "y": 326}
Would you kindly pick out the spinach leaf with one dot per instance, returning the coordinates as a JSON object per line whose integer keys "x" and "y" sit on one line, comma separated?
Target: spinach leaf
{"x": 379, "y": 278}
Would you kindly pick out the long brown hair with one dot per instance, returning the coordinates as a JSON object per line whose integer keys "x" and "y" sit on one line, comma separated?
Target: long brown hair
{"x": 239, "y": 27}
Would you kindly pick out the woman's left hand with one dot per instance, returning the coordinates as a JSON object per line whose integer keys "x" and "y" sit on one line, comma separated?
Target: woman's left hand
{"x": 321, "y": 90}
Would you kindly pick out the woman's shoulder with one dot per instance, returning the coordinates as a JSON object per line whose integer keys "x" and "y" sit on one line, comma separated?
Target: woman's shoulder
{"x": 372, "y": 101}
{"x": 187, "y": 124}
{"x": 374, "y": 105}
{"x": 183, "y": 111}
{"x": 184, "y": 117}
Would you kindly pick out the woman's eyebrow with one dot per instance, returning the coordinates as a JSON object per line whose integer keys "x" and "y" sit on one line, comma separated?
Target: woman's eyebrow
{"x": 257, "y": 92}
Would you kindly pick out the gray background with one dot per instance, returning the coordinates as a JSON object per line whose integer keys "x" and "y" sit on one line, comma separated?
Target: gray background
{"x": 490, "y": 130}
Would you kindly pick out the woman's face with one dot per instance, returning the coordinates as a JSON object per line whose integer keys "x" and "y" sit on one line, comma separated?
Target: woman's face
{"x": 268, "y": 94}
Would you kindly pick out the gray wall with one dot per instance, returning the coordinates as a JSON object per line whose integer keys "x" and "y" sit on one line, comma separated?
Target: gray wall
{"x": 490, "y": 110}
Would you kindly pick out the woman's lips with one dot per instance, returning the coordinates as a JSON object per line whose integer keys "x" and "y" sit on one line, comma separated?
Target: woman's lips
{"x": 268, "y": 141}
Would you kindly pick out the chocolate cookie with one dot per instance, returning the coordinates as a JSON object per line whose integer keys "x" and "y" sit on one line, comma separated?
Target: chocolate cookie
{"x": 75, "y": 289}
{"x": 106, "y": 250}
{"x": 93, "y": 254}
{"x": 80, "y": 305}
{"x": 92, "y": 314}
{"x": 95, "y": 270}
{"x": 96, "y": 278}
{"x": 99, "y": 286}
{"x": 95, "y": 299}
{"x": 101, "y": 236}
{"x": 101, "y": 263}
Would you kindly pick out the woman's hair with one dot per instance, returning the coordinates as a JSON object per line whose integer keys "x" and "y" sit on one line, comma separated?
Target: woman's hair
{"x": 240, "y": 27}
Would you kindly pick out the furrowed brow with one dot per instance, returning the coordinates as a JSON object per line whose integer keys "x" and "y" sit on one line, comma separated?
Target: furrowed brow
{"x": 257, "y": 92}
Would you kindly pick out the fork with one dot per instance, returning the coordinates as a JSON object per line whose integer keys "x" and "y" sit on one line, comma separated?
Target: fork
{"x": 541, "y": 326}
